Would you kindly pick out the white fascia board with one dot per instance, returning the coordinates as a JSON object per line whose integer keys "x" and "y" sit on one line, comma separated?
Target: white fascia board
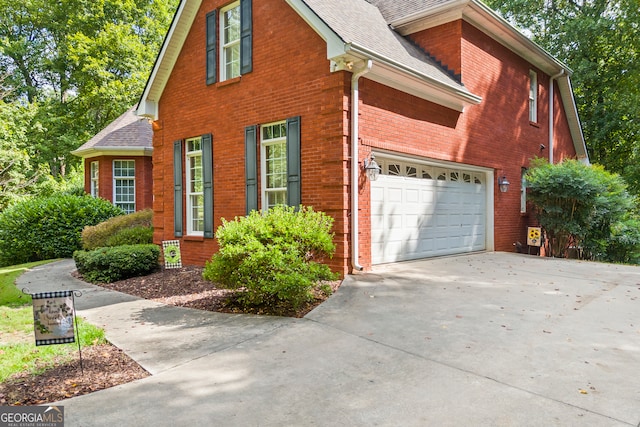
{"x": 113, "y": 151}
{"x": 405, "y": 79}
{"x": 437, "y": 15}
{"x": 171, "y": 47}
{"x": 571, "y": 111}
{"x": 335, "y": 45}
{"x": 488, "y": 21}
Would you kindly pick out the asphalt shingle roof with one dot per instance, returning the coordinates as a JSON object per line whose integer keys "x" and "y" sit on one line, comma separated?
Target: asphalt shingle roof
{"x": 362, "y": 24}
{"x": 392, "y": 10}
{"x": 128, "y": 130}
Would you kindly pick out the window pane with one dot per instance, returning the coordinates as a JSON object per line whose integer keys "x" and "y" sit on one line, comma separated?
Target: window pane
{"x": 232, "y": 25}
{"x": 275, "y": 198}
{"x": 197, "y": 212}
{"x": 195, "y": 174}
{"x": 232, "y": 61}
{"x": 394, "y": 169}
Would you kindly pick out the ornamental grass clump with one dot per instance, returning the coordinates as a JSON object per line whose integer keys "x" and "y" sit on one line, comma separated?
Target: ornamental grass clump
{"x": 273, "y": 257}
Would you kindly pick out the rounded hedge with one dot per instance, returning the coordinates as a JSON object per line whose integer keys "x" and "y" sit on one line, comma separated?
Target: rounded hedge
{"x": 132, "y": 229}
{"x": 49, "y": 227}
{"x": 110, "y": 264}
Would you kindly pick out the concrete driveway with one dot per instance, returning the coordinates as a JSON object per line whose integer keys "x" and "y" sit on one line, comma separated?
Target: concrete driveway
{"x": 489, "y": 339}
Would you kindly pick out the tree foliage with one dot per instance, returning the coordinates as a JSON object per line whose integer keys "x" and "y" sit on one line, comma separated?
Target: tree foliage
{"x": 76, "y": 65}
{"x": 580, "y": 205}
{"x": 600, "y": 41}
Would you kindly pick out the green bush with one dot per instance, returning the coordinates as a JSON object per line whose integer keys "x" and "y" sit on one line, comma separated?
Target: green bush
{"x": 106, "y": 265}
{"x": 275, "y": 256}
{"x": 624, "y": 245}
{"x": 131, "y": 236}
{"x": 132, "y": 229}
{"x": 48, "y": 227}
{"x": 577, "y": 204}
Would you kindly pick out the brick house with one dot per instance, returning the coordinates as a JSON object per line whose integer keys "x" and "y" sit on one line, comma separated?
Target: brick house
{"x": 289, "y": 101}
{"x": 117, "y": 163}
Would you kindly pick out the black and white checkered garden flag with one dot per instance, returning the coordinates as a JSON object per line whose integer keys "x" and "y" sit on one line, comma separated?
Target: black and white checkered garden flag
{"x": 53, "y": 317}
{"x": 171, "y": 252}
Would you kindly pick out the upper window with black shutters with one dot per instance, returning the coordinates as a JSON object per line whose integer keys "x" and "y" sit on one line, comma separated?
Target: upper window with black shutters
{"x": 229, "y": 41}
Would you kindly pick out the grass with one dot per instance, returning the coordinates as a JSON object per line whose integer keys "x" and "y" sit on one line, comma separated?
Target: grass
{"x": 18, "y": 352}
{"x": 9, "y": 294}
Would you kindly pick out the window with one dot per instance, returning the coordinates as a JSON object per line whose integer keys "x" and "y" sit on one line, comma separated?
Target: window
{"x": 195, "y": 187}
{"x": 94, "y": 179}
{"x": 197, "y": 200}
{"x": 533, "y": 96}
{"x": 274, "y": 164}
{"x": 124, "y": 185}
{"x": 523, "y": 190}
{"x": 230, "y": 42}
{"x": 280, "y": 164}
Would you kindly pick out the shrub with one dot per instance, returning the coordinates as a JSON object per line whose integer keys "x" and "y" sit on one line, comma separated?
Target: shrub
{"x": 48, "y": 227}
{"x": 106, "y": 265}
{"x": 117, "y": 231}
{"x": 577, "y": 204}
{"x": 275, "y": 256}
{"x": 624, "y": 245}
{"x": 131, "y": 236}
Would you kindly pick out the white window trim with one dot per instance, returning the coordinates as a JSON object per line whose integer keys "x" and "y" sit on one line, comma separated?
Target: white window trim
{"x": 523, "y": 191}
{"x": 263, "y": 161}
{"x": 122, "y": 178}
{"x": 224, "y": 44}
{"x": 533, "y": 96}
{"x": 94, "y": 178}
{"x": 189, "y": 193}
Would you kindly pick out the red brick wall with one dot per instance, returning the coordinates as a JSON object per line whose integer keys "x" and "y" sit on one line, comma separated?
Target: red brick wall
{"x": 290, "y": 77}
{"x": 496, "y": 134}
{"x": 144, "y": 178}
{"x": 443, "y": 43}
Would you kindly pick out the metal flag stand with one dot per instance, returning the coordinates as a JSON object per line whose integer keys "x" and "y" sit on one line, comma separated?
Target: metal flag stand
{"x": 53, "y": 315}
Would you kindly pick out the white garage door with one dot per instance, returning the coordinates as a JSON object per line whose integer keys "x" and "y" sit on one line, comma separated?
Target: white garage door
{"x": 419, "y": 211}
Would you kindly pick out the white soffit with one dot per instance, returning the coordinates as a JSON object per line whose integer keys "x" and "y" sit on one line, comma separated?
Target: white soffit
{"x": 180, "y": 27}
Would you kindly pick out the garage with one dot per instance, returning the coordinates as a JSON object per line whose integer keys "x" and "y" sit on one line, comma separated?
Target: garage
{"x": 424, "y": 210}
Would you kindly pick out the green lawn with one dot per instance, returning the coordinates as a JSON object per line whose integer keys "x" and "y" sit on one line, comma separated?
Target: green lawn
{"x": 18, "y": 352}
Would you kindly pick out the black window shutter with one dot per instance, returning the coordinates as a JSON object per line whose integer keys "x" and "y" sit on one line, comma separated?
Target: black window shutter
{"x": 207, "y": 181}
{"x": 294, "y": 189}
{"x": 251, "y": 167}
{"x": 246, "y": 42}
{"x": 177, "y": 188}
{"x": 211, "y": 47}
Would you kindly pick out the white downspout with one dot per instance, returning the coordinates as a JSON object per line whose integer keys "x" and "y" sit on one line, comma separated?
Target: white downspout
{"x": 355, "y": 165}
{"x": 551, "y": 80}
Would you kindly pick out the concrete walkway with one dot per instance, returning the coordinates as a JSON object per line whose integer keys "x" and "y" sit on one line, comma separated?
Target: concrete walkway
{"x": 489, "y": 339}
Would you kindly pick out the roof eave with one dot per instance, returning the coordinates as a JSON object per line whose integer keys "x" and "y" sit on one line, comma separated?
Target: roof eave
{"x": 571, "y": 110}
{"x": 171, "y": 47}
{"x": 385, "y": 70}
{"x": 408, "y": 80}
{"x": 113, "y": 151}
{"x": 483, "y": 17}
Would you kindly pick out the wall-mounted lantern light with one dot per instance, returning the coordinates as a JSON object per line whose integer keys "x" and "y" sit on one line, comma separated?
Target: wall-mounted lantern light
{"x": 371, "y": 168}
{"x": 503, "y": 184}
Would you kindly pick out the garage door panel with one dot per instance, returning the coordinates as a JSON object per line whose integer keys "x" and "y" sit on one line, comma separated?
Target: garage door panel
{"x": 418, "y": 218}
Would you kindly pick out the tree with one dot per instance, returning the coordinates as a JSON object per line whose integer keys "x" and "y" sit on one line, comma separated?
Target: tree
{"x": 79, "y": 63}
{"x": 600, "y": 41}
{"x": 580, "y": 205}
